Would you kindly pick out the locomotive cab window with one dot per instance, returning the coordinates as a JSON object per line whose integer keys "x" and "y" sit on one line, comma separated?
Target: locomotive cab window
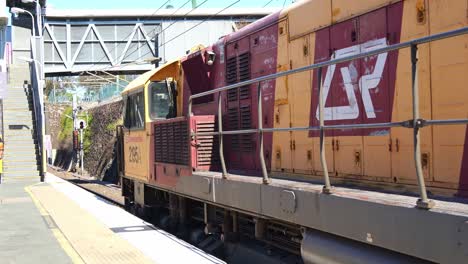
{"x": 162, "y": 103}
{"x": 135, "y": 111}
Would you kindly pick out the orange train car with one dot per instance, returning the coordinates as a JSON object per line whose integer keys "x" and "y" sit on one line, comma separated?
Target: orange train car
{"x": 169, "y": 170}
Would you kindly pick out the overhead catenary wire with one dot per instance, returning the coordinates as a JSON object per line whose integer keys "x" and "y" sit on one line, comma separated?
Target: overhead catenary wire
{"x": 265, "y": 5}
{"x": 201, "y": 22}
{"x": 184, "y": 16}
{"x": 269, "y": 2}
{"x": 191, "y": 28}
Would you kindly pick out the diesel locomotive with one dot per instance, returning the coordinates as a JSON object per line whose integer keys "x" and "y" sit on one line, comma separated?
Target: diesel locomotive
{"x": 262, "y": 188}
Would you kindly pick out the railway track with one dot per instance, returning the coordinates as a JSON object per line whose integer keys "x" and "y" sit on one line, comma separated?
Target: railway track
{"x": 105, "y": 190}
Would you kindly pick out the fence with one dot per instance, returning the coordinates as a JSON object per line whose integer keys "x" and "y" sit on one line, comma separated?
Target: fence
{"x": 416, "y": 123}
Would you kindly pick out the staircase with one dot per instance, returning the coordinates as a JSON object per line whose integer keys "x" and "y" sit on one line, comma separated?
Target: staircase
{"x": 20, "y": 159}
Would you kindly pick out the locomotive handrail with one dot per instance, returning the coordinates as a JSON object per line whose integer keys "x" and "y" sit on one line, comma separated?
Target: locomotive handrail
{"x": 393, "y": 47}
{"x": 416, "y": 123}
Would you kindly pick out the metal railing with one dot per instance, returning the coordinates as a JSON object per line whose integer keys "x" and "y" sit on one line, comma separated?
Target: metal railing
{"x": 416, "y": 123}
{"x": 36, "y": 90}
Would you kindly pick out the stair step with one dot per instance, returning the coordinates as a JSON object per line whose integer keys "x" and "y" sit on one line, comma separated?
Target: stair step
{"x": 14, "y": 168}
{"x": 16, "y": 94}
{"x": 16, "y": 112}
{"x": 26, "y": 163}
{"x": 21, "y": 155}
{"x": 16, "y": 139}
{"x": 26, "y": 173}
{"x": 22, "y": 152}
{"x": 19, "y": 138}
{"x": 14, "y": 147}
{"x": 24, "y": 141}
{"x": 23, "y": 160}
{"x": 17, "y": 133}
{"x": 17, "y": 129}
{"x": 27, "y": 124}
{"x": 12, "y": 118}
{"x": 16, "y": 97}
{"x": 11, "y": 115}
{"x": 12, "y": 101}
{"x": 20, "y": 158}
{"x": 17, "y": 108}
{"x": 16, "y": 104}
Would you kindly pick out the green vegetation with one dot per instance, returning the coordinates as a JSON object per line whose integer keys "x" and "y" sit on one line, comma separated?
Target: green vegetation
{"x": 66, "y": 125}
{"x": 112, "y": 126}
{"x": 87, "y": 134}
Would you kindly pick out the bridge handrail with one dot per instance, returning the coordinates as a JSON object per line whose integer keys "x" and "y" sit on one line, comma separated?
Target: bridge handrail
{"x": 416, "y": 123}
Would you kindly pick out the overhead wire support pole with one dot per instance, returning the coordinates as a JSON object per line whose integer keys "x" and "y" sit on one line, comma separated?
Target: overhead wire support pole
{"x": 327, "y": 187}
{"x": 266, "y": 180}
{"x": 423, "y": 201}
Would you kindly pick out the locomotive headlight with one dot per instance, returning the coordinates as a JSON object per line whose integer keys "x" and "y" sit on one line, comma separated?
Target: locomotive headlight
{"x": 210, "y": 57}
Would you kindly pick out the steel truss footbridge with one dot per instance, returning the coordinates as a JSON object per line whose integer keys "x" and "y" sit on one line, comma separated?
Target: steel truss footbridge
{"x": 126, "y": 41}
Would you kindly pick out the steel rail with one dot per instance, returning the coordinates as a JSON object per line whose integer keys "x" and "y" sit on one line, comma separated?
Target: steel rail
{"x": 416, "y": 123}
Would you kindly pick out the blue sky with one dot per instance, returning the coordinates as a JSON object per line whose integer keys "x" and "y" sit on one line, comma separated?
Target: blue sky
{"x": 155, "y": 4}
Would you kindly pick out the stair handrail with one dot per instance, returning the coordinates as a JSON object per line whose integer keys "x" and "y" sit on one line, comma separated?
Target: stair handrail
{"x": 37, "y": 81}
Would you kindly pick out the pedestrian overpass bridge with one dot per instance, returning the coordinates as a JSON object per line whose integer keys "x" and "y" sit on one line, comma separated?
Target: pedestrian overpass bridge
{"x": 126, "y": 41}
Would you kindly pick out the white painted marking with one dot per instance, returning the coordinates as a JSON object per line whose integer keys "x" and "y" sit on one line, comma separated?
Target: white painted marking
{"x": 156, "y": 244}
{"x": 349, "y": 73}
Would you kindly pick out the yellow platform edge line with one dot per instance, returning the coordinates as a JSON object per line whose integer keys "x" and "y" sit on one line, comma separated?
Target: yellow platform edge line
{"x": 59, "y": 236}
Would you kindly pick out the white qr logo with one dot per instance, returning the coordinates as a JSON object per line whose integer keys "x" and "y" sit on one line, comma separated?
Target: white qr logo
{"x": 366, "y": 83}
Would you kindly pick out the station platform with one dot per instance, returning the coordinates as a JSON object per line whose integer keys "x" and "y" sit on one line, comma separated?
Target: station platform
{"x": 57, "y": 222}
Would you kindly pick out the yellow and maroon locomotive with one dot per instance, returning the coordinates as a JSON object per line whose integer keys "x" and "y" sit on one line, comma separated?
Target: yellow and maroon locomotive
{"x": 172, "y": 159}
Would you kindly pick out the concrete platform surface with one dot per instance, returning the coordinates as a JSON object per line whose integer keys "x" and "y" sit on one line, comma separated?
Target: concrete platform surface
{"x": 58, "y": 222}
{"x": 25, "y": 236}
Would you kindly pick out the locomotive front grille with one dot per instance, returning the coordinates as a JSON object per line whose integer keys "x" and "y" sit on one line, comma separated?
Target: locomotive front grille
{"x": 207, "y": 150}
{"x": 171, "y": 142}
